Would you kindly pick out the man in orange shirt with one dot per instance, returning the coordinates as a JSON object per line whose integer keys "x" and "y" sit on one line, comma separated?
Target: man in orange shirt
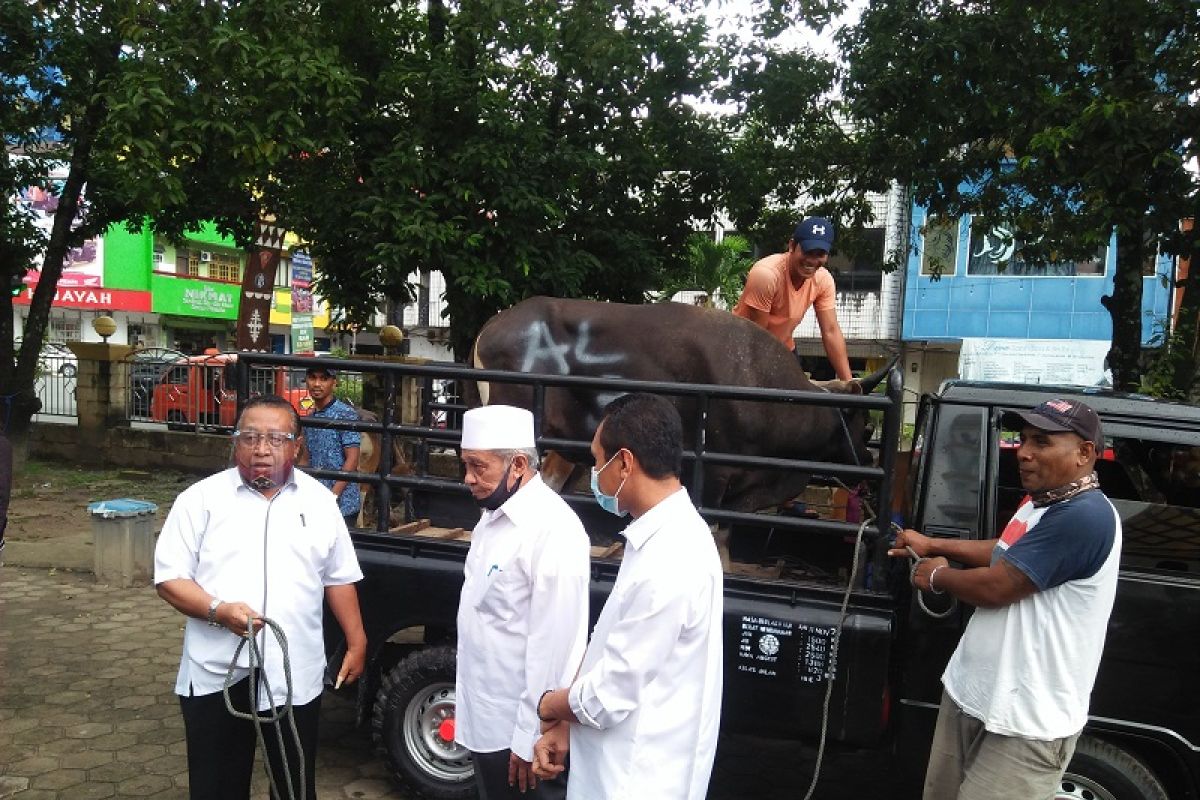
{"x": 781, "y": 288}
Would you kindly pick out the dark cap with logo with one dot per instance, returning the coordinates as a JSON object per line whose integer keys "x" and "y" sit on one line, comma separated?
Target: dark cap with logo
{"x": 814, "y": 233}
{"x": 330, "y": 371}
{"x": 1060, "y": 416}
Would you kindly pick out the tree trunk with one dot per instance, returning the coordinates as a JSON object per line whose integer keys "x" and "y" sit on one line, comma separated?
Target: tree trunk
{"x": 24, "y": 403}
{"x": 1125, "y": 307}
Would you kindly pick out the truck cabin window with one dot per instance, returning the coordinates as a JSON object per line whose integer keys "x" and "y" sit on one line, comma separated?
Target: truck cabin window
{"x": 1155, "y": 486}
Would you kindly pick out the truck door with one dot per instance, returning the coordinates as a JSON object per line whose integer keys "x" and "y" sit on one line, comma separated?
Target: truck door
{"x": 949, "y": 474}
{"x": 1152, "y": 477}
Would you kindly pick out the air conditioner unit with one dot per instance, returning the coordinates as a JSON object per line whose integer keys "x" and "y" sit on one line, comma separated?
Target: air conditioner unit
{"x": 205, "y": 255}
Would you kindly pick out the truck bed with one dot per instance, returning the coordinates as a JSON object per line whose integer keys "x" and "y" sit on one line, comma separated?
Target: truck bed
{"x": 780, "y": 628}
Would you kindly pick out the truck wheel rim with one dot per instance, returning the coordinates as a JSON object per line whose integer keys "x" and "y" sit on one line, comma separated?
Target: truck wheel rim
{"x": 1075, "y": 787}
{"x": 433, "y": 755}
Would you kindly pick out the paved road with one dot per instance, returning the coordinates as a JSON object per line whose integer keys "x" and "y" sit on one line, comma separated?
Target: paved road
{"x": 87, "y": 710}
{"x": 87, "y": 703}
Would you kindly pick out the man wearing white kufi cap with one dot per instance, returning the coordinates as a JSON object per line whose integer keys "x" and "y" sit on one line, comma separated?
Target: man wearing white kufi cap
{"x": 522, "y": 616}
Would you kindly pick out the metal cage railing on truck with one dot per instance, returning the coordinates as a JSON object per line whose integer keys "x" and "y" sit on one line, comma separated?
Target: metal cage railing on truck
{"x": 696, "y": 459}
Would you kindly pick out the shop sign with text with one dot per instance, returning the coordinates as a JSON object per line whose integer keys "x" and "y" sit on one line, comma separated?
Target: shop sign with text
{"x": 92, "y": 298}
{"x": 302, "y": 333}
{"x": 195, "y": 298}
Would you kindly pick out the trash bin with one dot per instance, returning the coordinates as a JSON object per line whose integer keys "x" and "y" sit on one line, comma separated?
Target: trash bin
{"x": 123, "y": 540}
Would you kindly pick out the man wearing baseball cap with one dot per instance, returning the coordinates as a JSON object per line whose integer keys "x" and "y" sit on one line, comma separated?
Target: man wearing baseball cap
{"x": 1016, "y": 691}
{"x": 782, "y": 287}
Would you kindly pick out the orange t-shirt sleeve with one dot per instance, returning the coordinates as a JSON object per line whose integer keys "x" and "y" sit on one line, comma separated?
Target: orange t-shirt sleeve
{"x": 761, "y": 286}
{"x": 825, "y": 298}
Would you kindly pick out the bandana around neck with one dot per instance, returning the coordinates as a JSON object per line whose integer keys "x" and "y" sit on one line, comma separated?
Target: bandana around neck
{"x": 1051, "y": 496}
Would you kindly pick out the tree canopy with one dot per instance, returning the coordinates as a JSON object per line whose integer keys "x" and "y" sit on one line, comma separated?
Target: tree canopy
{"x": 172, "y": 113}
{"x": 564, "y": 148}
{"x": 520, "y": 148}
{"x": 1068, "y": 120}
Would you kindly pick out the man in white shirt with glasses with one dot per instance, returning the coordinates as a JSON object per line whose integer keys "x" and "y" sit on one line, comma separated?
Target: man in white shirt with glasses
{"x": 260, "y": 539}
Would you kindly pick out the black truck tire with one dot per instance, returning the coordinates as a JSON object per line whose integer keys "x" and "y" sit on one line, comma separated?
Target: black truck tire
{"x": 1103, "y": 771}
{"x": 414, "y": 703}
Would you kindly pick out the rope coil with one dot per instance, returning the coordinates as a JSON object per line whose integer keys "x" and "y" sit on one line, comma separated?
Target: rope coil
{"x": 912, "y": 574}
{"x": 254, "y": 658}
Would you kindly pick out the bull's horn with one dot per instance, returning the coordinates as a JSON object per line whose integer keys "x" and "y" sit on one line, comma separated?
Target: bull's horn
{"x": 871, "y": 381}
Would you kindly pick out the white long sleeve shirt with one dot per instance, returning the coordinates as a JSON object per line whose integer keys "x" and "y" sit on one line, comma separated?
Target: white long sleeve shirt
{"x": 277, "y": 556}
{"x": 522, "y": 618}
{"x": 648, "y": 696}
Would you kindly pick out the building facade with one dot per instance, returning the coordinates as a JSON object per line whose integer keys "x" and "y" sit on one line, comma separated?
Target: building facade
{"x": 966, "y": 288}
{"x": 184, "y": 297}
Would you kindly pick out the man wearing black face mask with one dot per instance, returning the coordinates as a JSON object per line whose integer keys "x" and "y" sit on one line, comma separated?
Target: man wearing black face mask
{"x": 522, "y": 616}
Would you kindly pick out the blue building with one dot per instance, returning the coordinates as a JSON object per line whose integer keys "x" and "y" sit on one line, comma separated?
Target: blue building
{"x": 963, "y": 282}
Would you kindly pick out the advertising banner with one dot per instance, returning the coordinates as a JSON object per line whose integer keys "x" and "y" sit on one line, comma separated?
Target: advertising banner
{"x": 302, "y": 333}
{"x": 97, "y": 299}
{"x": 83, "y": 266}
{"x": 258, "y": 294}
{"x": 1073, "y": 362}
{"x": 302, "y": 303}
{"x": 192, "y": 298}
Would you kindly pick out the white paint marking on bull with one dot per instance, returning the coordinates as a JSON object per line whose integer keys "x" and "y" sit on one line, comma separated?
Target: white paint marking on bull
{"x": 542, "y": 348}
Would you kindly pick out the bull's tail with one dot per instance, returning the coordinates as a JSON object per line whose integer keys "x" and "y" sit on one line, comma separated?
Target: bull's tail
{"x": 475, "y": 393}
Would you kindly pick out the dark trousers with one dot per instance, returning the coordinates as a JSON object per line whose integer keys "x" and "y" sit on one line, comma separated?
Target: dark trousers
{"x": 220, "y": 747}
{"x": 491, "y": 779}
{"x": 351, "y": 520}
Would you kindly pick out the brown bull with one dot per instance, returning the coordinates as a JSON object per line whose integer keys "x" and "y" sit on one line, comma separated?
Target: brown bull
{"x": 680, "y": 344}
{"x": 370, "y": 452}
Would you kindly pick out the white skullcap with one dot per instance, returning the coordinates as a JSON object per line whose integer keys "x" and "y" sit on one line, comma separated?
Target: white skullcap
{"x": 497, "y": 428}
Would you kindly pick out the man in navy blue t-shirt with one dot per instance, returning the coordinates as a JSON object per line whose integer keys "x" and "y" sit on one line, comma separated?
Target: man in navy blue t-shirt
{"x": 1016, "y": 690}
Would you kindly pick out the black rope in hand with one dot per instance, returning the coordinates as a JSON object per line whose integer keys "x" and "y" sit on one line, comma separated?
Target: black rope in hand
{"x": 255, "y": 663}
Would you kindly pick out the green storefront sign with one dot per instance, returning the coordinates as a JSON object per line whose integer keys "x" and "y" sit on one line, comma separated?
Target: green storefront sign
{"x": 302, "y": 333}
{"x": 192, "y": 298}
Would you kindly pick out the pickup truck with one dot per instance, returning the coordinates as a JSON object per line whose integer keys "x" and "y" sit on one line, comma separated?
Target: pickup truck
{"x": 825, "y": 638}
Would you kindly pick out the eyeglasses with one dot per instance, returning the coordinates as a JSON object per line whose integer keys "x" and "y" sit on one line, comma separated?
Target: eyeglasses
{"x": 250, "y": 439}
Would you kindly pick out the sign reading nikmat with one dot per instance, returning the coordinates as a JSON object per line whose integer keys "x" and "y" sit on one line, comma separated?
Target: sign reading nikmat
{"x": 191, "y": 298}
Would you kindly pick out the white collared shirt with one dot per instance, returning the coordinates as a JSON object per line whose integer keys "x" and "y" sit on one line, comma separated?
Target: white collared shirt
{"x": 217, "y": 534}
{"x": 522, "y": 618}
{"x": 648, "y": 696}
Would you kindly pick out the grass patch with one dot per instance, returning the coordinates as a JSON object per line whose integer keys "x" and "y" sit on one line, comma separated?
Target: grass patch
{"x": 84, "y": 485}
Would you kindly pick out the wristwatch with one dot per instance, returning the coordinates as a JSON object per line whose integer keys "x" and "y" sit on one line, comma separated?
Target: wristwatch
{"x": 212, "y": 612}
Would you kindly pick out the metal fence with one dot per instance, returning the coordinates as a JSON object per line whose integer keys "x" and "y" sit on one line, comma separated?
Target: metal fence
{"x": 146, "y": 370}
{"x": 428, "y": 434}
{"x": 54, "y": 381}
{"x": 199, "y": 393}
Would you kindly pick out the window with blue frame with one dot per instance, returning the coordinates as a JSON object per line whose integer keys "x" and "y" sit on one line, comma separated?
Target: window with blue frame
{"x": 999, "y": 251}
